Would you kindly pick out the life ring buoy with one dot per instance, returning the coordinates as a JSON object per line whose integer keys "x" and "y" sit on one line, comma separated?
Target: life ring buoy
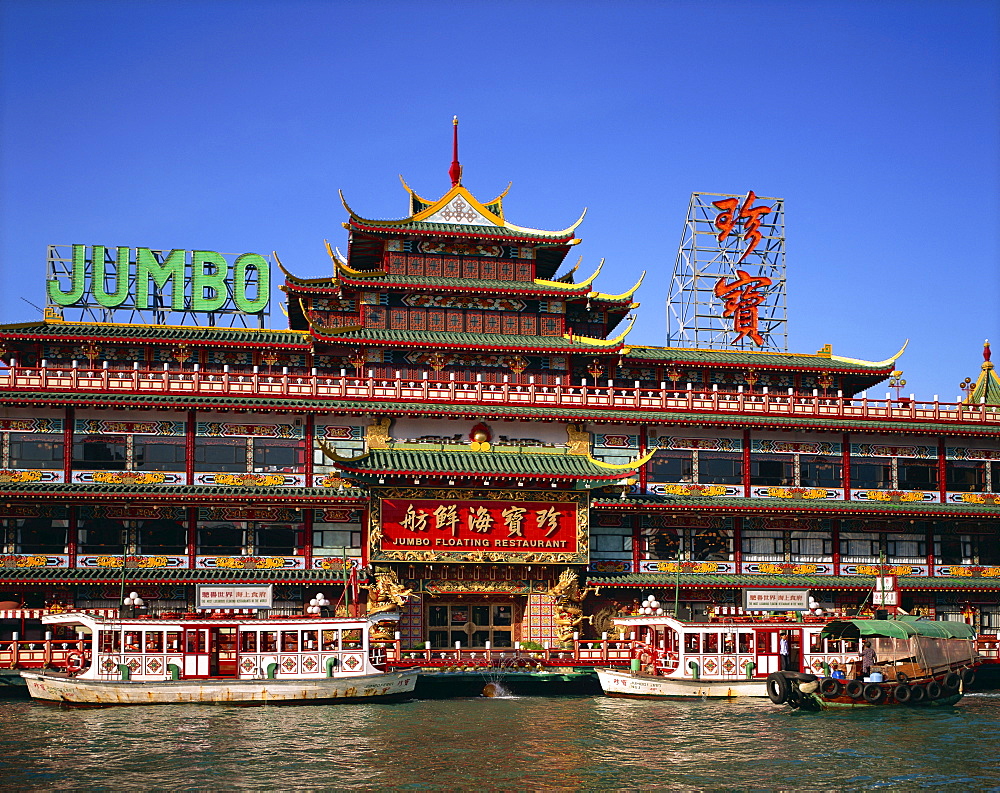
{"x": 969, "y": 676}
{"x": 903, "y": 693}
{"x": 831, "y": 687}
{"x": 854, "y": 689}
{"x": 74, "y": 662}
{"x": 933, "y": 689}
{"x": 952, "y": 681}
{"x": 645, "y": 658}
{"x": 778, "y": 688}
{"x": 873, "y": 693}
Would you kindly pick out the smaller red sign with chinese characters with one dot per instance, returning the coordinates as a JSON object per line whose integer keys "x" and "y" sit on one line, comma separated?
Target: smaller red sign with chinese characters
{"x": 495, "y": 526}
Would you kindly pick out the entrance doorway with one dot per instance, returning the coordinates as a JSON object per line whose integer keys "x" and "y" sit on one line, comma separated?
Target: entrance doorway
{"x": 472, "y": 624}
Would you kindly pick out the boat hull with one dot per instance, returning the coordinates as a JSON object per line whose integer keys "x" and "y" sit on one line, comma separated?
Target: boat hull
{"x": 617, "y": 683}
{"x": 101, "y": 693}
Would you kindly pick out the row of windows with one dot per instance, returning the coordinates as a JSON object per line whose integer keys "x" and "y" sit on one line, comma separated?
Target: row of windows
{"x": 43, "y": 535}
{"x": 718, "y": 545}
{"x": 156, "y": 453}
{"x": 801, "y": 470}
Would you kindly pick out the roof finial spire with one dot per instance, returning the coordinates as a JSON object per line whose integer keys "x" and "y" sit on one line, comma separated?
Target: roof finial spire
{"x": 455, "y": 172}
{"x": 986, "y": 351}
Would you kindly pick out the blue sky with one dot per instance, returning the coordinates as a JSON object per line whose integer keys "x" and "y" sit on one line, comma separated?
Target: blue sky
{"x": 230, "y": 126}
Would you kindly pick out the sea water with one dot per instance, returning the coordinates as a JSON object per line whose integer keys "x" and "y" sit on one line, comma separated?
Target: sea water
{"x": 579, "y": 743}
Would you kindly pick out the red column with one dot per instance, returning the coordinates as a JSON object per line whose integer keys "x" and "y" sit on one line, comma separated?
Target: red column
{"x": 835, "y": 531}
{"x": 192, "y": 535}
{"x": 738, "y": 543}
{"x": 189, "y": 433}
{"x": 69, "y": 420}
{"x": 73, "y": 534}
{"x": 746, "y": 463}
{"x": 942, "y": 470}
{"x": 845, "y": 464}
{"x": 636, "y": 543}
{"x": 309, "y": 441}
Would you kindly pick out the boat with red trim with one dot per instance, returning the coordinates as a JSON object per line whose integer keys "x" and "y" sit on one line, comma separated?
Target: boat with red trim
{"x": 219, "y": 658}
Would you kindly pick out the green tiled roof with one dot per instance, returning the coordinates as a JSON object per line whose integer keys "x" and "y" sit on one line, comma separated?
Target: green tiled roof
{"x": 107, "y": 575}
{"x": 444, "y": 341}
{"x": 494, "y": 410}
{"x": 168, "y": 333}
{"x": 668, "y": 580}
{"x": 502, "y": 465}
{"x": 458, "y": 230}
{"x": 797, "y": 506}
{"x": 482, "y": 285}
{"x": 749, "y": 358}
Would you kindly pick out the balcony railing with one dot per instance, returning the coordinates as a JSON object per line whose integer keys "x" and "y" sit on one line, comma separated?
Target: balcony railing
{"x": 562, "y": 394}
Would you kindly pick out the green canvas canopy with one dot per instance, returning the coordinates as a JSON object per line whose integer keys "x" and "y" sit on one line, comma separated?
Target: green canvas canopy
{"x": 902, "y": 628}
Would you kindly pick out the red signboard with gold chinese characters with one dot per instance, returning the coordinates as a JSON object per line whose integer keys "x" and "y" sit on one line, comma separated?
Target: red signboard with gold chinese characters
{"x": 479, "y": 526}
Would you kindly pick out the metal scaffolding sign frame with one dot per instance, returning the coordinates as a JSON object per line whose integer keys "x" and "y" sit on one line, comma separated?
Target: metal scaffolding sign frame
{"x": 727, "y": 278}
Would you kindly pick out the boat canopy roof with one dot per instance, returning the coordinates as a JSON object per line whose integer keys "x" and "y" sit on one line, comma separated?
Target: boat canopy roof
{"x": 902, "y": 628}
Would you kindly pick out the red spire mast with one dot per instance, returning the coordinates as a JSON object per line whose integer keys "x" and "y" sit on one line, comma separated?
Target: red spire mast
{"x": 455, "y": 172}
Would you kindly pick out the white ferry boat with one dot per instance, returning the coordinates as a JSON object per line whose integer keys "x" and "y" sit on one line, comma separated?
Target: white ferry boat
{"x": 218, "y": 658}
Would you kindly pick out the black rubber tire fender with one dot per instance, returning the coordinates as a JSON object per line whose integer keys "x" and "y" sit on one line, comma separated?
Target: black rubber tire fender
{"x": 951, "y": 681}
{"x": 802, "y": 677}
{"x": 831, "y": 687}
{"x": 933, "y": 689}
{"x": 855, "y": 689}
{"x": 873, "y": 693}
{"x": 968, "y": 676}
{"x": 902, "y": 677}
{"x": 778, "y": 688}
{"x": 902, "y": 693}
{"x": 917, "y": 694}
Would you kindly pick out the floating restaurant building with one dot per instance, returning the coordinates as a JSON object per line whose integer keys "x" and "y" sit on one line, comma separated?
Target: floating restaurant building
{"x": 457, "y": 407}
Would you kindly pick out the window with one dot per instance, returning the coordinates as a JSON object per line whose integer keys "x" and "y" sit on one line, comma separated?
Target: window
{"x": 277, "y": 454}
{"x": 162, "y": 536}
{"x": 720, "y": 468}
{"x": 917, "y": 474}
{"x": 871, "y": 473}
{"x": 820, "y": 471}
{"x": 276, "y": 540}
{"x": 331, "y": 640}
{"x": 763, "y": 546}
{"x": 154, "y": 642}
{"x": 906, "y": 547}
{"x": 158, "y": 454}
{"x": 611, "y": 542}
{"x": 102, "y": 536}
{"x": 860, "y": 547}
{"x": 772, "y": 469}
{"x": 100, "y": 453}
{"x": 222, "y": 538}
{"x": 41, "y": 535}
{"x": 713, "y": 545}
{"x": 36, "y": 451}
{"x": 331, "y": 539}
{"x": 965, "y": 476}
{"x": 812, "y": 546}
{"x": 671, "y": 465}
{"x": 953, "y": 549}
{"x": 289, "y": 641}
{"x": 227, "y": 455}
{"x": 664, "y": 544}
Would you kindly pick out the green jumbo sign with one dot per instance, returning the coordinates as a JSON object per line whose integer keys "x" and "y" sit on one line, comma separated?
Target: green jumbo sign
{"x": 198, "y": 281}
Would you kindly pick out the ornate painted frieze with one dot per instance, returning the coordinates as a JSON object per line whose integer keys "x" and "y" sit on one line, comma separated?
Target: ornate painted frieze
{"x": 687, "y": 567}
{"x": 775, "y": 446}
{"x": 218, "y": 429}
{"x": 896, "y": 496}
{"x": 250, "y": 563}
{"x": 465, "y": 301}
{"x": 21, "y": 476}
{"x": 992, "y": 499}
{"x": 879, "y": 450}
{"x": 706, "y": 444}
{"x": 807, "y": 493}
{"x": 701, "y": 491}
{"x": 33, "y": 560}
{"x": 963, "y": 453}
{"x": 31, "y": 425}
{"x": 129, "y": 478}
{"x": 251, "y": 480}
{"x": 107, "y": 427}
{"x": 278, "y": 514}
{"x": 145, "y": 562}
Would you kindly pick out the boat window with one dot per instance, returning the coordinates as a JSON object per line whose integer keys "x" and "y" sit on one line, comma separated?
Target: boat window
{"x": 711, "y": 643}
{"x": 248, "y": 642}
{"x": 309, "y": 641}
{"x": 692, "y": 643}
{"x": 728, "y": 644}
{"x": 746, "y": 643}
{"x": 154, "y": 641}
{"x": 173, "y": 641}
{"x": 289, "y": 641}
{"x": 225, "y": 640}
{"x": 108, "y": 641}
{"x": 268, "y": 641}
{"x": 132, "y": 641}
{"x": 816, "y": 644}
{"x": 352, "y": 639}
{"x": 502, "y": 615}
{"x": 331, "y": 640}
{"x": 196, "y": 641}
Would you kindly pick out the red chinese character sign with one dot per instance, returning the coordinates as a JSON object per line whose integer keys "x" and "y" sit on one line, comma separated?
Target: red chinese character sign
{"x": 502, "y": 526}
{"x": 728, "y": 287}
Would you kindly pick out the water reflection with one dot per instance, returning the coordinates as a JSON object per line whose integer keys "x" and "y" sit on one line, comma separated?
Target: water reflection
{"x": 590, "y": 743}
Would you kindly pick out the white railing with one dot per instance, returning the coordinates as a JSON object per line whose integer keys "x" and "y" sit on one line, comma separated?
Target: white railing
{"x": 562, "y": 394}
